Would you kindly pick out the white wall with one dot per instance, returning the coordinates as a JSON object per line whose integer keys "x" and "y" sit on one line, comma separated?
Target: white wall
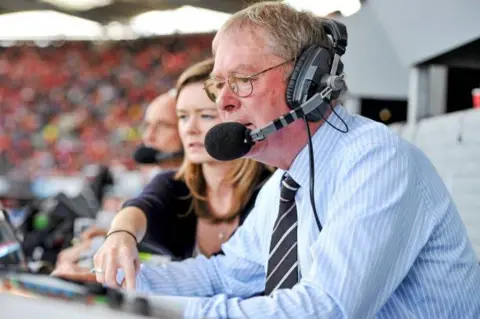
{"x": 422, "y": 29}
{"x": 372, "y": 66}
{"x": 388, "y": 37}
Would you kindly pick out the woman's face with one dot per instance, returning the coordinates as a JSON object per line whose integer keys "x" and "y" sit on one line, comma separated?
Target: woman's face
{"x": 196, "y": 116}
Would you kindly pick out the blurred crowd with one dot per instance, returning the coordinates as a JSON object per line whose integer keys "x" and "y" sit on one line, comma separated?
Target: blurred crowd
{"x": 77, "y": 103}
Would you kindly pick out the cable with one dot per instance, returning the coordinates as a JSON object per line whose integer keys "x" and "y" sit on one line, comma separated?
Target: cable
{"x": 343, "y": 121}
{"x": 312, "y": 162}
{"x": 312, "y": 175}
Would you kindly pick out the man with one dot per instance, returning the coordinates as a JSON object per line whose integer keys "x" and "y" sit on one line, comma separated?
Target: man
{"x": 161, "y": 133}
{"x": 392, "y": 244}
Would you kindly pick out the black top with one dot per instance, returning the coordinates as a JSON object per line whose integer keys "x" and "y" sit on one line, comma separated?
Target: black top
{"x": 165, "y": 202}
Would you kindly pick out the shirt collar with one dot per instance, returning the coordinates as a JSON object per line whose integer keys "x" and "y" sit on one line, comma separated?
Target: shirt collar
{"x": 323, "y": 142}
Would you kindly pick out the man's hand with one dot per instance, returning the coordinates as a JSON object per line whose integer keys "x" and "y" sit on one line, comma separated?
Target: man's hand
{"x": 72, "y": 254}
{"x": 93, "y": 232}
{"x": 74, "y": 272}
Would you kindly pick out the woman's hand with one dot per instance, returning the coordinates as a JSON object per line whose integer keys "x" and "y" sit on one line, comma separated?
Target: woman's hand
{"x": 119, "y": 251}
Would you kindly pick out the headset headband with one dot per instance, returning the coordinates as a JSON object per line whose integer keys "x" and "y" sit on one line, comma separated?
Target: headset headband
{"x": 338, "y": 32}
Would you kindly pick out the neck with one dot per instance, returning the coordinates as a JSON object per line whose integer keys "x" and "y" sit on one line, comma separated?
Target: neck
{"x": 214, "y": 174}
{"x": 218, "y": 193}
{"x": 172, "y": 164}
{"x": 290, "y": 147}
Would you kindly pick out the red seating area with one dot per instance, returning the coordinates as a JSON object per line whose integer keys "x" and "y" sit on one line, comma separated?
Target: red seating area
{"x": 75, "y": 103}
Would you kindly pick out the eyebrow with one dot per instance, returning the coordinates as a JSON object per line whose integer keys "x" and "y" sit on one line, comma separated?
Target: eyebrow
{"x": 161, "y": 122}
{"x": 238, "y": 68}
{"x": 198, "y": 109}
{"x": 244, "y": 67}
{"x": 156, "y": 122}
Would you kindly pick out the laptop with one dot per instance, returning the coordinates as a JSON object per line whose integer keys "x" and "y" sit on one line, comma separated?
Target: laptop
{"x": 11, "y": 252}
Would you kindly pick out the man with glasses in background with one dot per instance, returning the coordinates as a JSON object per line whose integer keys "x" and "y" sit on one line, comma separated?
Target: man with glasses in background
{"x": 160, "y": 132}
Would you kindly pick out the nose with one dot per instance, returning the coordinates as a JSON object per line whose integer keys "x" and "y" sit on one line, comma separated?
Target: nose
{"x": 227, "y": 101}
{"x": 148, "y": 136}
{"x": 192, "y": 125}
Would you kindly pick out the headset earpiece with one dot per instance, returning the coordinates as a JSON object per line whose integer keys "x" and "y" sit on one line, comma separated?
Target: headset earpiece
{"x": 311, "y": 68}
{"x": 299, "y": 63}
{"x": 306, "y": 79}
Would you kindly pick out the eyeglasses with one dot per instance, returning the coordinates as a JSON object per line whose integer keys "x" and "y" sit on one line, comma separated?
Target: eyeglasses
{"x": 240, "y": 85}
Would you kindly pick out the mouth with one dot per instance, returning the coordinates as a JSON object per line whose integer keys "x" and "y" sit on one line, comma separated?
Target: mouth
{"x": 195, "y": 145}
{"x": 249, "y": 126}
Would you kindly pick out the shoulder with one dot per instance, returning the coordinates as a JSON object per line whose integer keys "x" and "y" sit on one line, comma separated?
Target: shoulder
{"x": 166, "y": 181}
{"x": 366, "y": 131}
{"x": 372, "y": 155}
{"x": 368, "y": 151}
{"x": 164, "y": 177}
{"x": 367, "y": 138}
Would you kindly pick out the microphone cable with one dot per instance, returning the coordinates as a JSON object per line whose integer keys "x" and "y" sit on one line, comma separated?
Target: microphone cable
{"x": 339, "y": 117}
{"x": 312, "y": 162}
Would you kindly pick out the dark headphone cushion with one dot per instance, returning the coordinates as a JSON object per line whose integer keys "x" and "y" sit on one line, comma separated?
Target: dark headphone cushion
{"x": 300, "y": 62}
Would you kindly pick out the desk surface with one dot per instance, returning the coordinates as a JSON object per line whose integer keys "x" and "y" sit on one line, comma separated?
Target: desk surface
{"x": 28, "y": 295}
{"x": 18, "y": 306}
{"x": 27, "y": 308}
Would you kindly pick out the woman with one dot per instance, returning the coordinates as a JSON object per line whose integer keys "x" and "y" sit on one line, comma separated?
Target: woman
{"x": 194, "y": 210}
{"x": 197, "y": 208}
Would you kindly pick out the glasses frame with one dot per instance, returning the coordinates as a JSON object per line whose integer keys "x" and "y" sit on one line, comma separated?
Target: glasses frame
{"x": 233, "y": 78}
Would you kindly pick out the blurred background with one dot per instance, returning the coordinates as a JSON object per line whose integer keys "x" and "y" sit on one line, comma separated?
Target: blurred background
{"x": 76, "y": 76}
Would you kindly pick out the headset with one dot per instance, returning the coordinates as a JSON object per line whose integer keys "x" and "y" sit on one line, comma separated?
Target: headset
{"x": 317, "y": 69}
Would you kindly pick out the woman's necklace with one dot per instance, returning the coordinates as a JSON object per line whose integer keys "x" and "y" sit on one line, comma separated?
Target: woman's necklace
{"x": 210, "y": 236}
{"x": 221, "y": 235}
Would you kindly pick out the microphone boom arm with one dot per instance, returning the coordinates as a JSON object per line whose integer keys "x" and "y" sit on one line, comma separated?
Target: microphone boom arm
{"x": 279, "y": 123}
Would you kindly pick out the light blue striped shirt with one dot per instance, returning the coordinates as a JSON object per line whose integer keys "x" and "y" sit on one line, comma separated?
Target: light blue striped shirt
{"x": 392, "y": 245}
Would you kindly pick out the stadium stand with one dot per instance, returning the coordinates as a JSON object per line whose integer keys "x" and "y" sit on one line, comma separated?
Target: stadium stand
{"x": 58, "y": 100}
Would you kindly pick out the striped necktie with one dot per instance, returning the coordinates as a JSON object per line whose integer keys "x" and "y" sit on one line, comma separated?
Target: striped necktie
{"x": 282, "y": 262}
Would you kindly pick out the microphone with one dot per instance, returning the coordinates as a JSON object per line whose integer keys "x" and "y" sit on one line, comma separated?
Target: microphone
{"x": 232, "y": 140}
{"x": 148, "y": 155}
{"x": 228, "y": 141}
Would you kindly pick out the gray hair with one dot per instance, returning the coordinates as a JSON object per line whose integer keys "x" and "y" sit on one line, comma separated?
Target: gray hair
{"x": 288, "y": 30}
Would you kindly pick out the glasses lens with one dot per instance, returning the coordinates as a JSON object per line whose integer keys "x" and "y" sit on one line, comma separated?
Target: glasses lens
{"x": 240, "y": 86}
{"x": 212, "y": 90}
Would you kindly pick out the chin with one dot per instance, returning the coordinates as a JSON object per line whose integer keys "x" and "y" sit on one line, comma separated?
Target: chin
{"x": 197, "y": 158}
{"x": 257, "y": 151}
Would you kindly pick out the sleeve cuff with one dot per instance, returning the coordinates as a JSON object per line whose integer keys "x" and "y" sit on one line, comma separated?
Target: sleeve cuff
{"x": 193, "y": 308}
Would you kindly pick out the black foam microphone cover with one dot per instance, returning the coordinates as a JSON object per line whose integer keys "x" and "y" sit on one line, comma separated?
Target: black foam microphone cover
{"x": 228, "y": 141}
{"x": 149, "y": 155}
{"x": 145, "y": 155}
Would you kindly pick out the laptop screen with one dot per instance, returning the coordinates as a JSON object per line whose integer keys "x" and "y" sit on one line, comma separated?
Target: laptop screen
{"x": 11, "y": 253}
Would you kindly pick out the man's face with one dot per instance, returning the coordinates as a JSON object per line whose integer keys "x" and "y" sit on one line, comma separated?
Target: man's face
{"x": 160, "y": 126}
{"x": 242, "y": 53}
